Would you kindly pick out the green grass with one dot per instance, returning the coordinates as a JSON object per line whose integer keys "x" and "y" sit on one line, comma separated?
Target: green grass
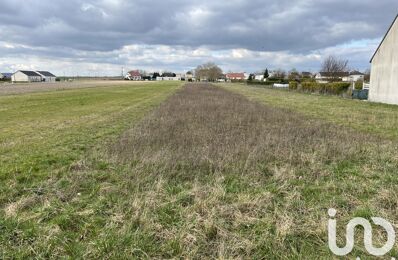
{"x": 156, "y": 171}
{"x": 46, "y": 133}
{"x": 369, "y": 117}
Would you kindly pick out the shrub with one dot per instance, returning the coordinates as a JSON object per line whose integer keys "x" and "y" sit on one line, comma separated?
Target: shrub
{"x": 293, "y": 85}
{"x": 359, "y": 85}
{"x": 337, "y": 88}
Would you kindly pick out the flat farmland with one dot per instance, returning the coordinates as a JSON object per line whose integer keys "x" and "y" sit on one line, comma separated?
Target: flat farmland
{"x": 161, "y": 170}
{"x": 21, "y": 88}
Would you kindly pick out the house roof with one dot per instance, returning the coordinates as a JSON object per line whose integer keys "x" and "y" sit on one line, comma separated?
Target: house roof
{"x": 355, "y": 72}
{"x": 169, "y": 74}
{"x": 235, "y": 75}
{"x": 30, "y": 73}
{"x": 306, "y": 73}
{"x": 6, "y": 75}
{"x": 135, "y": 73}
{"x": 384, "y": 38}
{"x": 46, "y": 74}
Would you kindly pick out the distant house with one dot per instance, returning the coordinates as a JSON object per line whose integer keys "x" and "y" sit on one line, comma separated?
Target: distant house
{"x": 354, "y": 76}
{"x": 47, "y": 76}
{"x": 5, "y": 76}
{"x": 324, "y": 77}
{"x": 235, "y": 76}
{"x": 189, "y": 76}
{"x": 26, "y": 76}
{"x": 134, "y": 75}
{"x": 384, "y": 72}
{"x": 306, "y": 75}
{"x": 259, "y": 77}
{"x": 176, "y": 78}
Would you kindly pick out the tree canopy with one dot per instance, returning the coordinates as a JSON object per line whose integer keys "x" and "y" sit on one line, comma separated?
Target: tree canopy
{"x": 209, "y": 71}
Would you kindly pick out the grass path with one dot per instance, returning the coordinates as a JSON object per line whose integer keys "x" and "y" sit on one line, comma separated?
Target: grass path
{"x": 369, "y": 117}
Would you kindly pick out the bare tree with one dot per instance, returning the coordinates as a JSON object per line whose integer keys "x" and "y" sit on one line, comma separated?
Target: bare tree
{"x": 208, "y": 71}
{"x": 293, "y": 75}
{"x": 279, "y": 74}
{"x": 334, "y": 67}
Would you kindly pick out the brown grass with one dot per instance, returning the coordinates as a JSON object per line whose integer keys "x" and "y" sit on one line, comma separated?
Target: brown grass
{"x": 205, "y": 126}
{"x": 37, "y": 87}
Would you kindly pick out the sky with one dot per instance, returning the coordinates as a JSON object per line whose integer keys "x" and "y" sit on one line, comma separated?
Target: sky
{"x": 102, "y": 37}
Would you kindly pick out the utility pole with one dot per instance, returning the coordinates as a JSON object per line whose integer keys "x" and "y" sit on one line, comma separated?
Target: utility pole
{"x": 122, "y": 72}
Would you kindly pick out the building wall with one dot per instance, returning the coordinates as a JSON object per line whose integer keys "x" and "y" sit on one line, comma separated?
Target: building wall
{"x": 19, "y": 77}
{"x": 384, "y": 74}
{"x": 51, "y": 79}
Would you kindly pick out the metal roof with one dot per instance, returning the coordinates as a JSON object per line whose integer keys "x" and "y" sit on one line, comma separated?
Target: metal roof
{"x": 7, "y": 75}
{"x": 47, "y": 74}
{"x": 384, "y": 38}
{"x": 30, "y": 73}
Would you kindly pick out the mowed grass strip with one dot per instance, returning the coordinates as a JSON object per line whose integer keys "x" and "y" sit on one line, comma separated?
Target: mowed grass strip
{"x": 214, "y": 175}
{"x": 375, "y": 118}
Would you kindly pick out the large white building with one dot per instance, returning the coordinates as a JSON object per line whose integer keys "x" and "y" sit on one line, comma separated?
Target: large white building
{"x": 33, "y": 76}
{"x": 26, "y": 76}
{"x": 384, "y": 73}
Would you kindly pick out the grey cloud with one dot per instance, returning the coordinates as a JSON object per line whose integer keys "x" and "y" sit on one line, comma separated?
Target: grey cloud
{"x": 260, "y": 25}
{"x": 168, "y": 33}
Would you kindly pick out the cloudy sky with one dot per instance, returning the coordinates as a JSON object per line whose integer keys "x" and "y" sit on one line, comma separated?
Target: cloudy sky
{"x": 99, "y": 37}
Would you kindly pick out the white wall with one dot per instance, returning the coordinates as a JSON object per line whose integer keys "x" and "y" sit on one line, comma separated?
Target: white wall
{"x": 384, "y": 74}
{"x": 168, "y": 78}
{"x": 19, "y": 77}
{"x": 259, "y": 77}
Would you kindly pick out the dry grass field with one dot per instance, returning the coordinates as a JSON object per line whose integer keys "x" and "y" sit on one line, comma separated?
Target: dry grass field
{"x": 206, "y": 174}
{"x": 22, "y": 88}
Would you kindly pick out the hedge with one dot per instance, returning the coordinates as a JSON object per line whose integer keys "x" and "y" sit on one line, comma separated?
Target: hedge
{"x": 335, "y": 88}
{"x": 269, "y": 82}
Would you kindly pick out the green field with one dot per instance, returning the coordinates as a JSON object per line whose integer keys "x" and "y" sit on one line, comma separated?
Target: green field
{"x": 164, "y": 171}
{"x": 364, "y": 116}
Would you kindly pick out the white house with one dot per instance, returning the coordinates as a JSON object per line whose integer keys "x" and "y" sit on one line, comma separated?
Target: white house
{"x": 384, "y": 72}
{"x": 47, "y": 76}
{"x": 259, "y": 77}
{"x": 325, "y": 77}
{"x": 26, "y": 76}
{"x": 176, "y": 78}
{"x": 354, "y": 76}
{"x": 1, "y": 76}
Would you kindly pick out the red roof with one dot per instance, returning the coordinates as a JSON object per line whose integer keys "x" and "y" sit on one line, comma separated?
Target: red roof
{"x": 236, "y": 75}
{"x": 135, "y": 73}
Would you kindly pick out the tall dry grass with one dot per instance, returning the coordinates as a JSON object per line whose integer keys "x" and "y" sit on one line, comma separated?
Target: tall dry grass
{"x": 204, "y": 126}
